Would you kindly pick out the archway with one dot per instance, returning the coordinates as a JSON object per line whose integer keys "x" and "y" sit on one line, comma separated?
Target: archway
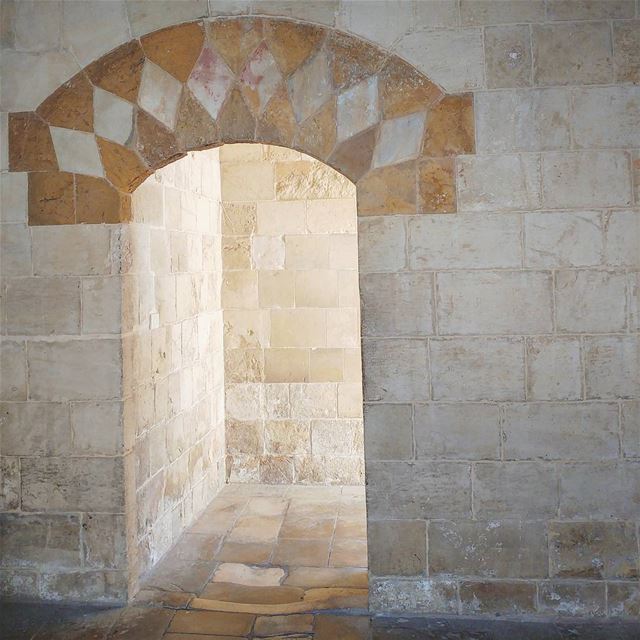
{"x": 368, "y": 114}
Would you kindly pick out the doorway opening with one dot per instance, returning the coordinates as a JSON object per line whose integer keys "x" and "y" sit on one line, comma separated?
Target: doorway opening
{"x": 250, "y": 454}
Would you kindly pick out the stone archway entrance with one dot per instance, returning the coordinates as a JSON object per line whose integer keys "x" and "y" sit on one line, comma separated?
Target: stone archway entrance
{"x": 366, "y": 113}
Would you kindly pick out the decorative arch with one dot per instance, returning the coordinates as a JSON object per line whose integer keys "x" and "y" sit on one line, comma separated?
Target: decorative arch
{"x": 365, "y": 112}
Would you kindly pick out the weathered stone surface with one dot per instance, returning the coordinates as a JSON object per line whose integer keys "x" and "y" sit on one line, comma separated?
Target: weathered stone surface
{"x": 389, "y": 432}
{"x": 397, "y": 547}
{"x": 611, "y": 367}
{"x": 508, "y": 56}
{"x": 450, "y": 127}
{"x": 156, "y": 144}
{"x": 426, "y": 594}
{"x": 436, "y": 186}
{"x": 277, "y": 124}
{"x": 347, "y": 628}
{"x": 381, "y": 244}
{"x": 593, "y": 550}
{"x": 314, "y": 179}
{"x": 291, "y": 44}
{"x": 236, "y": 123}
{"x": 123, "y": 167}
{"x": 13, "y": 358}
{"x": 571, "y": 598}
{"x": 623, "y": 599}
{"x": 498, "y": 598}
{"x": 97, "y": 202}
{"x": 377, "y": 197}
{"x": 354, "y": 156}
{"x": 310, "y": 86}
{"x": 626, "y": 43}
{"x": 554, "y": 370}
{"x": 492, "y": 549}
{"x": 235, "y": 40}
{"x": 267, "y": 626}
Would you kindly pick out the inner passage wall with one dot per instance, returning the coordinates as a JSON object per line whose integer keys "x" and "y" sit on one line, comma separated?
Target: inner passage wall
{"x": 293, "y": 375}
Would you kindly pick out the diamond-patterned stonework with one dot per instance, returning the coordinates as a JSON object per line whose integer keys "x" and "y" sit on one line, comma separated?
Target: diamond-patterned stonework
{"x": 370, "y": 115}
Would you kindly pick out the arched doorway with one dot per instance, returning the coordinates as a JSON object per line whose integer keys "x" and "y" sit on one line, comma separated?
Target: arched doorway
{"x": 369, "y": 115}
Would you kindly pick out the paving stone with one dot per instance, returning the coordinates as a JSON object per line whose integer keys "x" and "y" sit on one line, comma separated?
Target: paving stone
{"x": 213, "y": 622}
{"x": 249, "y": 576}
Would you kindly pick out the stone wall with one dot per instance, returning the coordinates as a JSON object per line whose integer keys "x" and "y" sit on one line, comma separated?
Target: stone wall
{"x": 293, "y": 373}
{"x": 173, "y": 361}
{"x": 501, "y": 384}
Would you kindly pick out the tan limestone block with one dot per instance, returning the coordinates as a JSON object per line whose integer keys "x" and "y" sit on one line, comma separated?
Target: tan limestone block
{"x": 175, "y": 49}
{"x": 238, "y": 218}
{"x": 70, "y": 106}
{"x": 277, "y": 124}
{"x": 307, "y": 180}
{"x": 123, "y": 167}
{"x": 436, "y": 185}
{"x": 235, "y": 40}
{"x": 291, "y": 43}
{"x": 276, "y": 288}
{"x": 450, "y": 127}
{"x": 388, "y": 190}
{"x": 154, "y": 142}
{"x": 404, "y": 90}
{"x": 276, "y": 470}
{"x": 326, "y": 365}
{"x": 97, "y": 202}
{"x": 283, "y": 625}
{"x": 352, "y": 59}
{"x": 286, "y": 365}
{"x": 288, "y": 437}
{"x": 212, "y": 622}
{"x": 235, "y": 122}
{"x": 30, "y": 144}
{"x": 51, "y": 198}
{"x": 119, "y": 71}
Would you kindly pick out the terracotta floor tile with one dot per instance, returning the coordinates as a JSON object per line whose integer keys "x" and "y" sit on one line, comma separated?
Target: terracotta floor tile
{"x": 316, "y": 577}
{"x": 307, "y": 527}
{"x": 348, "y": 552}
{"x": 212, "y": 622}
{"x": 280, "y": 625}
{"x": 249, "y": 576}
{"x": 245, "y": 552}
{"x": 292, "y": 552}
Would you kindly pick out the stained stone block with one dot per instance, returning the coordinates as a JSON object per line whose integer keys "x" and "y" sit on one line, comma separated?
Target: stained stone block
{"x": 563, "y": 239}
{"x": 554, "y": 369}
{"x": 594, "y": 10}
{"x": 523, "y": 120}
{"x": 397, "y": 547}
{"x": 498, "y": 302}
{"x": 630, "y": 423}
{"x": 586, "y": 179}
{"x": 566, "y": 598}
{"x": 396, "y": 304}
{"x": 464, "y": 241}
{"x": 623, "y": 599}
{"x": 507, "y": 56}
{"x": 492, "y": 549}
{"x": 9, "y": 483}
{"x": 389, "y": 432}
{"x": 515, "y": 490}
{"x": 81, "y": 484}
{"x": 599, "y": 490}
{"x": 621, "y": 238}
{"x": 418, "y": 490}
{"x": 466, "y": 431}
{"x": 42, "y": 306}
{"x": 593, "y": 550}
{"x": 381, "y": 244}
{"x": 611, "y": 367}
{"x": 477, "y": 369}
{"x": 75, "y": 370}
{"x": 572, "y": 53}
{"x": 498, "y": 598}
{"x": 44, "y": 542}
{"x": 395, "y": 370}
{"x": 492, "y": 183}
{"x": 578, "y": 431}
{"x": 13, "y": 359}
{"x": 626, "y": 47}
{"x": 590, "y": 301}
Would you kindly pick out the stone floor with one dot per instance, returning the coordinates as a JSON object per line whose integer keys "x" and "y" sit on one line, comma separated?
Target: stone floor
{"x": 278, "y": 563}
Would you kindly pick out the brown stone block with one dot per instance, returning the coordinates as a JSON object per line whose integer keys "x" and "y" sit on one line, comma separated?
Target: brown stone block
{"x": 70, "y": 106}
{"x": 403, "y": 89}
{"x": 277, "y": 124}
{"x": 504, "y": 598}
{"x": 352, "y": 59}
{"x": 154, "y": 142}
{"x": 236, "y": 122}
{"x": 353, "y": 157}
{"x": 195, "y": 128}
{"x": 291, "y": 44}
{"x": 175, "y": 49}
{"x": 593, "y": 549}
{"x": 436, "y": 185}
{"x": 388, "y": 190}
{"x": 124, "y": 168}
{"x": 235, "y": 40}
{"x": 212, "y": 622}
{"x": 567, "y": 598}
{"x": 623, "y": 599}
{"x": 450, "y": 127}
{"x": 51, "y": 198}
{"x": 119, "y": 71}
{"x": 30, "y": 143}
{"x": 344, "y": 628}
{"x": 99, "y": 202}
{"x": 317, "y": 134}
{"x": 283, "y": 625}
